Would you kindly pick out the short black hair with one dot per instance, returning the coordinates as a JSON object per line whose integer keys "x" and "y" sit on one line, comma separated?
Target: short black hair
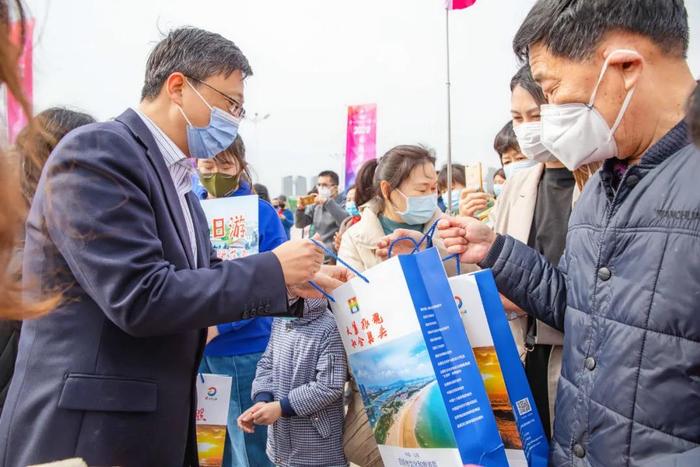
{"x": 499, "y": 173}
{"x": 574, "y": 28}
{"x": 694, "y": 115}
{"x": 458, "y": 176}
{"x": 506, "y": 140}
{"x": 262, "y": 192}
{"x": 333, "y": 176}
{"x": 193, "y": 52}
{"x": 524, "y": 79}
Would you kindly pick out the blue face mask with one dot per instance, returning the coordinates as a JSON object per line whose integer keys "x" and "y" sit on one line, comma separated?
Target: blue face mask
{"x": 206, "y": 142}
{"x": 514, "y": 167}
{"x": 455, "y": 200}
{"x": 419, "y": 209}
{"x": 352, "y": 209}
{"x": 497, "y": 189}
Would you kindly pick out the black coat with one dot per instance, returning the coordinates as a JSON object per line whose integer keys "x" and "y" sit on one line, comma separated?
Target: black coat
{"x": 109, "y": 375}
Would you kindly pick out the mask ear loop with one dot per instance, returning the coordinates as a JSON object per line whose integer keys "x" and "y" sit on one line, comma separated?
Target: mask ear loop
{"x": 604, "y": 69}
{"x": 198, "y": 95}
{"x": 628, "y": 97}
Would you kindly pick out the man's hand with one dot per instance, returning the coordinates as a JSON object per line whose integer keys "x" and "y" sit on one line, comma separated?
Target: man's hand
{"x": 402, "y": 247}
{"x": 468, "y": 237}
{"x": 472, "y": 201}
{"x": 212, "y": 332}
{"x": 328, "y": 278}
{"x": 300, "y": 260}
{"x": 320, "y": 200}
{"x": 268, "y": 413}
{"x": 245, "y": 420}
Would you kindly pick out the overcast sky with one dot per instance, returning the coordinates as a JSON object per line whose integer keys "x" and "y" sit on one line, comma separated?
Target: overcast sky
{"x": 311, "y": 58}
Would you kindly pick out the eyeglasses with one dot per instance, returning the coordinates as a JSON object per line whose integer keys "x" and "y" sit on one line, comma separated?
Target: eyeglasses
{"x": 236, "y": 108}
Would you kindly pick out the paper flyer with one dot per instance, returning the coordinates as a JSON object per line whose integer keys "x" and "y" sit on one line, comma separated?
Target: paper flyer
{"x": 213, "y": 398}
{"x": 233, "y": 225}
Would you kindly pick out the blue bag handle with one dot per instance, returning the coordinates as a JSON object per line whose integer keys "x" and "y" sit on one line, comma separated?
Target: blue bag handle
{"x": 334, "y": 256}
{"x": 428, "y": 238}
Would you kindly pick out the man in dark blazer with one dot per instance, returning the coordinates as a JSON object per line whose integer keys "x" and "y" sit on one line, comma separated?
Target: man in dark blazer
{"x": 109, "y": 374}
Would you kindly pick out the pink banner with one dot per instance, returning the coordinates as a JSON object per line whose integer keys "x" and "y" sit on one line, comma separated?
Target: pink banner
{"x": 361, "y": 140}
{"x": 16, "y": 118}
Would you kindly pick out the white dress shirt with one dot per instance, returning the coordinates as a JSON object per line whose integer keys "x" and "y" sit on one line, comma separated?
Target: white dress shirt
{"x": 180, "y": 169}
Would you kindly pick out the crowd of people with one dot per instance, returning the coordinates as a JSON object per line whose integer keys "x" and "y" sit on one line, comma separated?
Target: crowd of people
{"x": 113, "y": 299}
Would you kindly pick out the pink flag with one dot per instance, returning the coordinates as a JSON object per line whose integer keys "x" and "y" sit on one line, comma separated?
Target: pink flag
{"x": 458, "y": 4}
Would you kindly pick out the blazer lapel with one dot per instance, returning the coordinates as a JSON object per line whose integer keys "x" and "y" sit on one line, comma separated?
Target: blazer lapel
{"x": 201, "y": 232}
{"x": 141, "y": 132}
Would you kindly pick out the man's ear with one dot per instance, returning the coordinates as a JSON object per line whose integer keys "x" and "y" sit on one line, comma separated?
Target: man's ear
{"x": 174, "y": 86}
{"x": 629, "y": 62}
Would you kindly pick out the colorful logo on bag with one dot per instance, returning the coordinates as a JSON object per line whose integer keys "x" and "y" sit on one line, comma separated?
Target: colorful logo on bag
{"x": 459, "y": 302}
{"x": 353, "y": 305}
{"x": 211, "y": 392}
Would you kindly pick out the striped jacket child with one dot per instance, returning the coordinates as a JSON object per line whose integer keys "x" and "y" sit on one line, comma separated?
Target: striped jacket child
{"x": 305, "y": 368}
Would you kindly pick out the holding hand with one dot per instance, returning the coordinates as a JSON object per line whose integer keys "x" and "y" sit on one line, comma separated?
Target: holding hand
{"x": 402, "y": 247}
{"x": 472, "y": 201}
{"x": 328, "y": 278}
{"x": 468, "y": 237}
{"x": 300, "y": 260}
{"x": 245, "y": 420}
{"x": 268, "y": 413}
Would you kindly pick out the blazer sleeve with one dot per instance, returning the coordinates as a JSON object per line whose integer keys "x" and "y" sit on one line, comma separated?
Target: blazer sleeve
{"x": 529, "y": 280}
{"x": 98, "y": 214}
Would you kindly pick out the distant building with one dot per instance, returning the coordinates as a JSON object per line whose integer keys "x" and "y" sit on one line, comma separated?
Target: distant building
{"x": 288, "y": 185}
{"x": 300, "y": 187}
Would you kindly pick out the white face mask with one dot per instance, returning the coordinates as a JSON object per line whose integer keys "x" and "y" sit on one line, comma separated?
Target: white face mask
{"x": 324, "y": 192}
{"x": 514, "y": 167}
{"x": 577, "y": 134}
{"x": 530, "y": 141}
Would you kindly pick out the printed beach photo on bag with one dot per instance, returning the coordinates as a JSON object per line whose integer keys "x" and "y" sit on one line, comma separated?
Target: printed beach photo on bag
{"x": 402, "y": 398}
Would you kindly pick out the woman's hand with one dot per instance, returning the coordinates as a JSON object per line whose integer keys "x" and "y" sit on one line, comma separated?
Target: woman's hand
{"x": 472, "y": 201}
{"x": 401, "y": 247}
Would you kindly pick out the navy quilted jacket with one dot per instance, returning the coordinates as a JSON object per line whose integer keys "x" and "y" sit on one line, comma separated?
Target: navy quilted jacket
{"x": 627, "y": 296}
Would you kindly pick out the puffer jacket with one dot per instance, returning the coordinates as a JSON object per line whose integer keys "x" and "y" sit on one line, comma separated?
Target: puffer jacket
{"x": 627, "y": 297}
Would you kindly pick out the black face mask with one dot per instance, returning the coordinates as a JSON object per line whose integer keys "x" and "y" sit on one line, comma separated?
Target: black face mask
{"x": 281, "y": 206}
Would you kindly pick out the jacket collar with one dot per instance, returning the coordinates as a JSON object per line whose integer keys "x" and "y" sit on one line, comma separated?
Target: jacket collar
{"x": 143, "y": 135}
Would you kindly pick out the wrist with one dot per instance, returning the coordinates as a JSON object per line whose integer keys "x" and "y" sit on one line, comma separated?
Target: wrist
{"x": 494, "y": 251}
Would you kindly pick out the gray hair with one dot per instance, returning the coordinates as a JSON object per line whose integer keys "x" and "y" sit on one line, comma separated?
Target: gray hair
{"x": 193, "y": 52}
{"x": 574, "y": 28}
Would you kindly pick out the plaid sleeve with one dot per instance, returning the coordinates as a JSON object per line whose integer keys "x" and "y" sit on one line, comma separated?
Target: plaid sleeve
{"x": 263, "y": 374}
{"x": 331, "y": 373}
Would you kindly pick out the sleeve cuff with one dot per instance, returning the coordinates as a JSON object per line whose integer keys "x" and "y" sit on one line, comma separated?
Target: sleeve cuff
{"x": 494, "y": 252}
{"x": 264, "y": 397}
{"x": 287, "y": 409}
